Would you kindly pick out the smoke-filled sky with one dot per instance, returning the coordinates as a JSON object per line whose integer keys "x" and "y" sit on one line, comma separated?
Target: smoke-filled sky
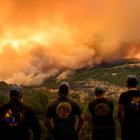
{"x": 39, "y": 38}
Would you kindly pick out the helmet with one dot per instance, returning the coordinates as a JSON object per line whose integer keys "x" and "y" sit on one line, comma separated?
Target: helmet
{"x": 132, "y": 78}
{"x": 16, "y": 90}
{"x": 131, "y": 81}
{"x": 63, "y": 89}
{"x": 99, "y": 89}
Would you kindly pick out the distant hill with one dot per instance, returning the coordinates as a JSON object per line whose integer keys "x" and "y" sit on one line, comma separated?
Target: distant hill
{"x": 112, "y": 72}
{"x": 118, "y": 62}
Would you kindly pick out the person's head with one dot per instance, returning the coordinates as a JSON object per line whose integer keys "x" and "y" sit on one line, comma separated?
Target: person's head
{"x": 131, "y": 81}
{"x": 63, "y": 89}
{"x": 99, "y": 90}
{"x": 16, "y": 92}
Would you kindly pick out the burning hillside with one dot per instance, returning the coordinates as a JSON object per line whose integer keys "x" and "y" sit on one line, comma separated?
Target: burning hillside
{"x": 39, "y": 39}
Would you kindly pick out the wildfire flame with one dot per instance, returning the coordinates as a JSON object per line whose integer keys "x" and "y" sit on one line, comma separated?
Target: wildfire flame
{"x": 41, "y": 38}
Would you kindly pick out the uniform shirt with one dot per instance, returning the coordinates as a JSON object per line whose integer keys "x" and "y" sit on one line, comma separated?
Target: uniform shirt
{"x": 131, "y": 102}
{"x": 63, "y": 111}
{"x": 19, "y": 129}
{"x": 101, "y": 110}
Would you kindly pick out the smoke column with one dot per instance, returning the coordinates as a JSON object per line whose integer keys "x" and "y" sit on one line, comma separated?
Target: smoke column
{"x": 40, "y": 38}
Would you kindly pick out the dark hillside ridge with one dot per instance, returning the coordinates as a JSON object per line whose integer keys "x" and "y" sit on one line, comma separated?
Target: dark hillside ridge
{"x": 118, "y": 62}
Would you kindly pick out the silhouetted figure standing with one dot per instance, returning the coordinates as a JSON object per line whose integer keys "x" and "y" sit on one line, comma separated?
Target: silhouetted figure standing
{"x": 63, "y": 111}
{"x": 129, "y": 110}
{"x": 101, "y": 110}
{"x": 16, "y": 119}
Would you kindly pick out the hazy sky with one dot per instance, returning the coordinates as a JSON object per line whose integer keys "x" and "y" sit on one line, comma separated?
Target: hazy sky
{"x": 39, "y": 38}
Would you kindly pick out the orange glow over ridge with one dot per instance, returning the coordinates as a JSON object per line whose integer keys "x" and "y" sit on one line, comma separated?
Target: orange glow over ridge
{"x": 41, "y": 38}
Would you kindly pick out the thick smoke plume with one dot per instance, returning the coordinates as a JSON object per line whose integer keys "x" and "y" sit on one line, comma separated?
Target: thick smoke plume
{"x": 40, "y": 38}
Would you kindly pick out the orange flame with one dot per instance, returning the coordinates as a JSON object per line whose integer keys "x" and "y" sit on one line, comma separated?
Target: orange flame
{"x": 41, "y": 38}
{"x": 133, "y": 51}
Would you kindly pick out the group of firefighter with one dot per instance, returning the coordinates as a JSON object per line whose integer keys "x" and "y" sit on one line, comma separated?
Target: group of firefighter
{"x": 64, "y": 118}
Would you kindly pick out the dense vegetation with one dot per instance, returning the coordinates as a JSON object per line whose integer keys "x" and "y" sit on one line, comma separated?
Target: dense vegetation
{"x": 82, "y": 84}
{"x": 115, "y": 75}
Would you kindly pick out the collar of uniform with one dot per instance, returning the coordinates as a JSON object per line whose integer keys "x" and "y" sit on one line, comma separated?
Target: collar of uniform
{"x": 62, "y": 97}
{"x": 132, "y": 89}
{"x": 100, "y": 97}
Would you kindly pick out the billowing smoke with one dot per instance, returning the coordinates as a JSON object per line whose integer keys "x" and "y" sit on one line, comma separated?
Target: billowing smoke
{"x": 42, "y": 38}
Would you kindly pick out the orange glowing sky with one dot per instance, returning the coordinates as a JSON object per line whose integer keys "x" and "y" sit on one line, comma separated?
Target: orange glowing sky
{"x": 39, "y": 38}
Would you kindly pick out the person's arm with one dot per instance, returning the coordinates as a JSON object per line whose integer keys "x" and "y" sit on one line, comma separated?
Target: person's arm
{"x": 120, "y": 113}
{"x": 80, "y": 122}
{"x": 47, "y": 123}
{"x": 79, "y": 113}
{"x": 35, "y": 126}
{"x": 48, "y": 117}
